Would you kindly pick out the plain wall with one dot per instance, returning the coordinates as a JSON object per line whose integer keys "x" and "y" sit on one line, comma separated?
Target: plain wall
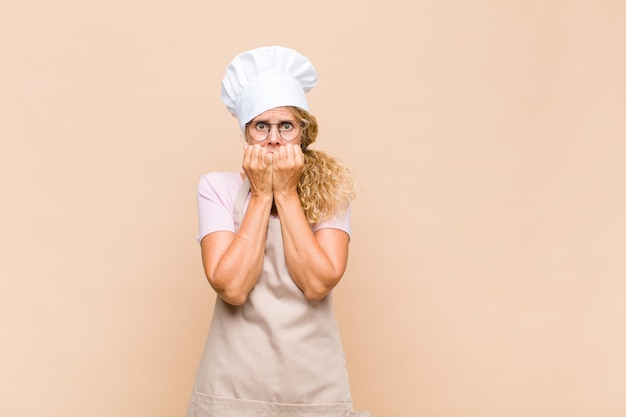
{"x": 487, "y": 138}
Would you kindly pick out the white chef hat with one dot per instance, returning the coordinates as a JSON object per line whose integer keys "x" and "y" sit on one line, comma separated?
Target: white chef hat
{"x": 264, "y": 78}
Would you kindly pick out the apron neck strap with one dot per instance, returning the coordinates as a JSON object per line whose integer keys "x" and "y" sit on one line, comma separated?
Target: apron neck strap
{"x": 241, "y": 200}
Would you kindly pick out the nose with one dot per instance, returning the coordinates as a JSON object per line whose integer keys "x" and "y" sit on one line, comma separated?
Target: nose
{"x": 274, "y": 135}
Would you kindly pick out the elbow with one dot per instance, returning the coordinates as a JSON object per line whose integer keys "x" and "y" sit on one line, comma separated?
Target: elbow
{"x": 232, "y": 296}
{"x": 317, "y": 288}
{"x": 234, "y": 299}
{"x": 228, "y": 293}
{"x": 318, "y": 292}
{"x": 314, "y": 296}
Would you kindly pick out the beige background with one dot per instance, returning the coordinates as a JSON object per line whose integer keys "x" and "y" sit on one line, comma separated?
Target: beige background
{"x": 488, "y": 142}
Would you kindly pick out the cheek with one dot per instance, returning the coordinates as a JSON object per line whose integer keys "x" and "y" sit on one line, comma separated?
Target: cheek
{"x": 305, "y": 139}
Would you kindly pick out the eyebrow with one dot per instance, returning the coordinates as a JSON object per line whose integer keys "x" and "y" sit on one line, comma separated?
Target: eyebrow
{"x": 266, "y": 121}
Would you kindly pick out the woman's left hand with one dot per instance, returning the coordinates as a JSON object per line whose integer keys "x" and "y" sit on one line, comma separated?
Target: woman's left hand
{"x": 287, "y": 167}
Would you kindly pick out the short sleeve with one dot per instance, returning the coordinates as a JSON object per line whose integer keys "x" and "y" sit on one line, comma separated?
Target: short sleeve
{"x": 216, "y": 194}
{"x": 341, "y": 222}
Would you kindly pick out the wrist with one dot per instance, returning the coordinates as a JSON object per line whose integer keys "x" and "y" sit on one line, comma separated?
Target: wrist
{"x": 286, "y": 196}
{"x": 262, "y": 199}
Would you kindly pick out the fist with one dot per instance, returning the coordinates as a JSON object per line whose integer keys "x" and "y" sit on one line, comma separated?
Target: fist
{"x": 287, "y": 167}
{"x": 257, "y": 164}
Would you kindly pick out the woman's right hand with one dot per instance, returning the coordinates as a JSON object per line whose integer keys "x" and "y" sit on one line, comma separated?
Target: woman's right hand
{"x": 257, "y": 164}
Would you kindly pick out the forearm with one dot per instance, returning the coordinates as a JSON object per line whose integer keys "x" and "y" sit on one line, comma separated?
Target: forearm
{"x": 240, "y": 265}
{"x": 309, "y": 264}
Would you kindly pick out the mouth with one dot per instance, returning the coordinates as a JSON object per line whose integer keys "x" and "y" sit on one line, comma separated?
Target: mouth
{"x": 272, "y": 148}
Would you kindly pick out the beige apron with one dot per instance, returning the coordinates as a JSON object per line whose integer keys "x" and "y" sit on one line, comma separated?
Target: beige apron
{"x": 276, "y": 355}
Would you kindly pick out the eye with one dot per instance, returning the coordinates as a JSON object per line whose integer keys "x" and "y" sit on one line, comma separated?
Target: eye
{"x": 262, "y": 126}
{"x": 286, "y": 126}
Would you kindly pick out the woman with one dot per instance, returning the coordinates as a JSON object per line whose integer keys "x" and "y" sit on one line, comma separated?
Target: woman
{"x": 274, "y": 243}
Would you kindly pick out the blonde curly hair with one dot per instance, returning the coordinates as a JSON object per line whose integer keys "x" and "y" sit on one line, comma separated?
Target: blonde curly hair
{"x": 326, "y": 185}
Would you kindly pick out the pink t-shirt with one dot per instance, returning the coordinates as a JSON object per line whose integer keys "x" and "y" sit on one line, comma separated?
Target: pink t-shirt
{"x": 216, "y": 196}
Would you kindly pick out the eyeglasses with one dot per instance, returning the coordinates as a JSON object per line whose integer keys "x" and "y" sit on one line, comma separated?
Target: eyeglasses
{"x": 259, "y": 130}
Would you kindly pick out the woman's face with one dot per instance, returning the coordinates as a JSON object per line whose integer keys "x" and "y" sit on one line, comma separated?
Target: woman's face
{"x": 274, "y": 128}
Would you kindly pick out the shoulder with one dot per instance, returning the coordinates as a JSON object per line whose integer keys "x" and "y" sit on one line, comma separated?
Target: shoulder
{"x": 220, "y": 182}
{"x": 221, "y": 179}
{"x": 341, "y": 221}
{"x": 216, "y": 196}
{"x": 219, "y": 188}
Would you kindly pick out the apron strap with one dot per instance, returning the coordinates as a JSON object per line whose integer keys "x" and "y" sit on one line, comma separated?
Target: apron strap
{"x": 240, "y": 201}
